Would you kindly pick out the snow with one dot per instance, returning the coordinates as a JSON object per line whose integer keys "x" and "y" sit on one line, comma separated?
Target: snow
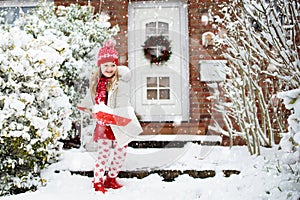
{"x": 273, "y": 175}
{"x": 256, "y": 181}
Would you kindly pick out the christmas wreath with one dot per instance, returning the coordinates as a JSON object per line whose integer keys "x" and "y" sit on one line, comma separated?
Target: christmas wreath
{"x": 157, "y": 49}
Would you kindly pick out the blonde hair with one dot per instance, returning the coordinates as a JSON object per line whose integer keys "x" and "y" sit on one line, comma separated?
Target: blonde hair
{"x": 112, "y": 83}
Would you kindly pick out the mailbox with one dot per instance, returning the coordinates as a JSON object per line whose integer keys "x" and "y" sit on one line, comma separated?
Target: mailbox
{"x": 212, "y": 70}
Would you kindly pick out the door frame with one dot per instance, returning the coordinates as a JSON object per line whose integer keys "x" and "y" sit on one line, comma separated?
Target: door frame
{"x": 184, "y": 50}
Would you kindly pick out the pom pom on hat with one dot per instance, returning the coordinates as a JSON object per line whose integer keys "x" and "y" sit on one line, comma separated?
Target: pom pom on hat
{"x": 107, "y": 54}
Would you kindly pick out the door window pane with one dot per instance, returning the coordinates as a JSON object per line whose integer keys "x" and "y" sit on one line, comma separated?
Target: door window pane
{"x": 151, "y": 94}
{"x": 151, "y": 28}
{"x": 164, "y": 82}
{"x": 164, "y": 94}
{"x": 163, "y": 28}
{"x": 151, "y": 81}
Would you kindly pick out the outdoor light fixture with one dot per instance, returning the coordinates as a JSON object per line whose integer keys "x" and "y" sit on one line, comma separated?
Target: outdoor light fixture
{"x": 207, "y": 39}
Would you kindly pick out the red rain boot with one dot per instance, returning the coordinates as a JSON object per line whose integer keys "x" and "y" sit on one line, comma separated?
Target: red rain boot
{"x": 111, "y": 183}
{"x": 100, "y": 187}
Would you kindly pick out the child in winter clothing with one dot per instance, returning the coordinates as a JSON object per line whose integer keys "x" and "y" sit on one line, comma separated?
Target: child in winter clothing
{"x": 110, "y": 86}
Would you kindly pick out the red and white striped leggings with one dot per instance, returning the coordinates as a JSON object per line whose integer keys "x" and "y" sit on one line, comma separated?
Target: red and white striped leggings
{"x": 104, "y": 162}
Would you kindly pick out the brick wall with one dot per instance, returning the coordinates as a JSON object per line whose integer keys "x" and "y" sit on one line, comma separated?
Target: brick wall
{"x": 201, "y": 106}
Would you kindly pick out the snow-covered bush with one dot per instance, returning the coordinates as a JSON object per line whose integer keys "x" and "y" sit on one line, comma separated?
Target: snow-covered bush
{"x": 46, "y": 59}
{"x": 34, "y": 110}
{"x": 84, "y": 32}
{"x": 261, "y": 47}
{"x": 285, "y": 167}
{"x": 291, "y": 141}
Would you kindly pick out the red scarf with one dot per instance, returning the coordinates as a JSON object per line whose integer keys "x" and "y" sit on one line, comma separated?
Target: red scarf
{"x": 101, "y": 93}
{"x": 102, "y": 131}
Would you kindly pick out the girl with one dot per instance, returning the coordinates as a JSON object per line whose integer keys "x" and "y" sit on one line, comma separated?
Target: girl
{"x": 110, "y": 86}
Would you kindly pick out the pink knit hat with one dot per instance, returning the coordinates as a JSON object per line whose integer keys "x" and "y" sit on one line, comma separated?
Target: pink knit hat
{"x": 107, "y": 54}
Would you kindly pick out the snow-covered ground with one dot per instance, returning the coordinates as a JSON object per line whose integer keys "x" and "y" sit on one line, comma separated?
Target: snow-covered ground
{"x": 256, "y": 180}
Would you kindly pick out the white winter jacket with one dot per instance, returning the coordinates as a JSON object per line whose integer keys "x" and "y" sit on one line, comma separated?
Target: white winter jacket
{"x": 119, "y": 96}
{"x": 119, "y": 101}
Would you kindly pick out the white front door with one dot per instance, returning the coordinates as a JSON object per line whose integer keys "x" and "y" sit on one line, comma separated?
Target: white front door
{"x": 159, "y": 89}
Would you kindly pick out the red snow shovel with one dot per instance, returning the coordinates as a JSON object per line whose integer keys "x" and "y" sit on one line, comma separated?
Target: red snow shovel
{"x": 107, "y": 118}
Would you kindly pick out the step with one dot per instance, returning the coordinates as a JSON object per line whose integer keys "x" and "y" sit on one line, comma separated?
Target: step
{"x": 168, "y": 175}
{"x": 173, "y": 141}
{"x": 159, "y": 141}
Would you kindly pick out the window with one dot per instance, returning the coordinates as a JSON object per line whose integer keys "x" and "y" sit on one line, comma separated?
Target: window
{"x": 13, "y": 13}
{"x": 157, "y": 28}
{"x": 158, "y": 88}
{"x": 12, "y": 8}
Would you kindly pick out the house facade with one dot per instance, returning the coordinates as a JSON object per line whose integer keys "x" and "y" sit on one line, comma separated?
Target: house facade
{"x": 170, "y": 93}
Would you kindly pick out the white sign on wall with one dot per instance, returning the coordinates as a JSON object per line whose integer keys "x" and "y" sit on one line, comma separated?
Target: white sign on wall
{"x": 212, "y": 70}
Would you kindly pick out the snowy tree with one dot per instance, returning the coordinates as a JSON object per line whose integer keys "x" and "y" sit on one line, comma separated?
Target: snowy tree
{"x": 83, "y": 31}
{"x": 34, "y": 110}
{"x": 262, "y": 48}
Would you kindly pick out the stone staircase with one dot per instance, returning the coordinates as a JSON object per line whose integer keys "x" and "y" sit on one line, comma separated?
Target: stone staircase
{"x": 155, "y": 154}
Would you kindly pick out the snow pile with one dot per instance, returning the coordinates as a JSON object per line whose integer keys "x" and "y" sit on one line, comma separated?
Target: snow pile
{"x": 253, "y": 183}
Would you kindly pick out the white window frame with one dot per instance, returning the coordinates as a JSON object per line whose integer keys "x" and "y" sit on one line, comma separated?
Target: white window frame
{"x": 170, "y": 101}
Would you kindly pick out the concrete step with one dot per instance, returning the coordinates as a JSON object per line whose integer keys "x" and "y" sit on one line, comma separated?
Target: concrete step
{"x": 168, "y": 175}
{"x": 157, "y": 141}
{"x": 173, "y": 141}
{"x": 197, "y": 161}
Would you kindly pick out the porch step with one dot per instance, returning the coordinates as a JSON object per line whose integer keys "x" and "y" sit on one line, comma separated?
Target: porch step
{"x": 173, "y": 141}
{"x": 158, "y": 141}
{"x": 168, "y": 175}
